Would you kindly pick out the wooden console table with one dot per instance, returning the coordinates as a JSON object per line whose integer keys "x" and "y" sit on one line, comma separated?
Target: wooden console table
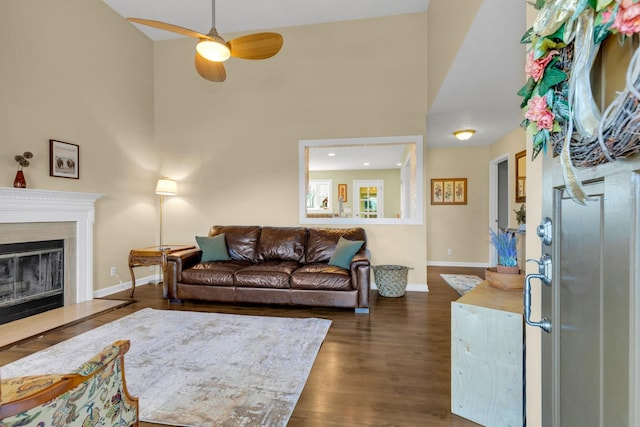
{"x": 487, "y": 356}
{"x": 152, "y": 255}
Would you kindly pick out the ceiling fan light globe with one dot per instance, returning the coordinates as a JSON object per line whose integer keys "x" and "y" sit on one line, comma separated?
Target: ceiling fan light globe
{"x": 213, "y": 50}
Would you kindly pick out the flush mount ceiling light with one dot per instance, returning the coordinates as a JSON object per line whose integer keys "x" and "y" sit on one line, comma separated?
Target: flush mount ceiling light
{"x": 464, "y": 134}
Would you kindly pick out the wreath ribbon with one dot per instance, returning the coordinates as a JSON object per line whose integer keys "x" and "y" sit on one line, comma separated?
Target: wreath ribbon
{"x": 584, "y": 113}
{"x": 553, "y": 14}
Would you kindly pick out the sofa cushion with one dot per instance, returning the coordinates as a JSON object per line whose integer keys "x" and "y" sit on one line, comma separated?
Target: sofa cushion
{"x": 322, "y": 242}
{"x": 269, "y": 274}
{"x": 213, "y": 248}
{"x": 213, "y": 273}
{"x": 282, "y": 244}
{"x": 321, "y": 276}
{"x": 242, "y": 240}
{"x": 344, "y": 252}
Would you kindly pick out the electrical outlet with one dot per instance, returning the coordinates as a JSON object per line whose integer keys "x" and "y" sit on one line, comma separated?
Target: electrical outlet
{"x": 113, "y": 272}
{"x": 449, "y": 251}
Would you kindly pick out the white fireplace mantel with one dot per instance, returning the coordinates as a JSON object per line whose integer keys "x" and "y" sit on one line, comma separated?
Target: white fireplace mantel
{"x": 23, "y": 205}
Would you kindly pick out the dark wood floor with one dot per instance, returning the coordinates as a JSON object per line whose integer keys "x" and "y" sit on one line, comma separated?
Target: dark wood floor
{"x": 388, "y": 368}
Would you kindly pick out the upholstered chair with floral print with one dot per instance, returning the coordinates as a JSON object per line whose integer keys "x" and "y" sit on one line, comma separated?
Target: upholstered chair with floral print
{"x": 93, "y": 395}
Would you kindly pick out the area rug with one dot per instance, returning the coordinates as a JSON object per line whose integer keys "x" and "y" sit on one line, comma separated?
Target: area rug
{"x": 200, "y": 369}
{"x": 461, "y": 283}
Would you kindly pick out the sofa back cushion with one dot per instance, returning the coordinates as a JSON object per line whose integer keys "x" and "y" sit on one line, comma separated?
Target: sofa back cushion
{"x": 322, "y": 242}
{"x": 242, "y": 240}
{"x": 282, "y": 244}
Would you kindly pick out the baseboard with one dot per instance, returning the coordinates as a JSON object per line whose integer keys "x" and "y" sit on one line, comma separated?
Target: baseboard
{"x": 123, "y": 286}
{"x": 456, "y": 264}
{"x": 100, "y": 293}
{"x": 411, "y": 287}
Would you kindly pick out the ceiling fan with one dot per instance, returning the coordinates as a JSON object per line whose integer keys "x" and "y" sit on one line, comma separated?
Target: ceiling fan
{"x": 212, "y": 50}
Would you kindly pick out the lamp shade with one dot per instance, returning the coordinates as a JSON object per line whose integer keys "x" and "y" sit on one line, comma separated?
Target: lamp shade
{"x": 167, "y": 187}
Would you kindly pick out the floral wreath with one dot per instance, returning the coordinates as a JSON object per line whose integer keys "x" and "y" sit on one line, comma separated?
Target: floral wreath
{"x": 557, "y": 97}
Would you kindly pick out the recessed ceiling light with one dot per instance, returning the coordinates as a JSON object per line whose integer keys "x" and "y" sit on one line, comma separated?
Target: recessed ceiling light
{"x": 464, "y": 134}
{"x": 366, "y": 163}
{"x": 331, "y": 154}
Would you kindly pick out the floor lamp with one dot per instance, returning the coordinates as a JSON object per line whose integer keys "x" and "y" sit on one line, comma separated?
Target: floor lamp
{"x": 165, "y": 187}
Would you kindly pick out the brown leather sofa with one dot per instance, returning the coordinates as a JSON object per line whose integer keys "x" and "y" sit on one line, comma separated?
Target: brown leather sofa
{"x": 274, "y": 265}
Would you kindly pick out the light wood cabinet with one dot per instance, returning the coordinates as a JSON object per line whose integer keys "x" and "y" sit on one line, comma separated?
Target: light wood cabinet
{"x": 487, "y": 356}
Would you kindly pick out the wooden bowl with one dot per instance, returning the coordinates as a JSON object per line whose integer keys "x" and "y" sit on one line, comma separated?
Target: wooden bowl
{"x": 503, "y": 280}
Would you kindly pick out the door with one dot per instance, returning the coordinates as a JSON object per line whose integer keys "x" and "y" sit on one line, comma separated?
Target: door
{"x": 369, "y": 198}
{"x": 503, "y": 195}
{"x": 498, "y": 196}
{"x": 589, "y": 361}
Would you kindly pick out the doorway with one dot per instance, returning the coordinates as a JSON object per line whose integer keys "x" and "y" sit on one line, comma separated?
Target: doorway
{"x": 498, "y": 198}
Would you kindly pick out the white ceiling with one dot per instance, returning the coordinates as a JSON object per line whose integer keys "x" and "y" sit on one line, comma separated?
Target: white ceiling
{"x": 253, "y": 15}
{"x": 383, "y": 156}
{"x": 479, "y": 91}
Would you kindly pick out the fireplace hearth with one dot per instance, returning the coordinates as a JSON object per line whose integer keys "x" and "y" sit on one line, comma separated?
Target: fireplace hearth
{"x": 31, "y": 278}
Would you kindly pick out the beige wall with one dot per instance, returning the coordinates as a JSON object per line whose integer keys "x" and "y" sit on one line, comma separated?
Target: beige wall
{"x": 138, "y": 110}
{"x": 464, "y": 228}
{"x": 461, "y": 228}
{"x": 234, "y": 146}
{"x": 75, "y": 71}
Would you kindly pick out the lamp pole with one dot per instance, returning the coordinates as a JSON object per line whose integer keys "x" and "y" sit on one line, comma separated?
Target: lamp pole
{"x": 161, "y": 201}
{"x": 165, "y": 187}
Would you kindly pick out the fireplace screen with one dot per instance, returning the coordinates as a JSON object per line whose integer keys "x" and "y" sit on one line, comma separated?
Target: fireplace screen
{"x": 31, "y": 275}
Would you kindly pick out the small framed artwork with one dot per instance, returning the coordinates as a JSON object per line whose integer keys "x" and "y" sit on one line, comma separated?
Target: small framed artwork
{"x": 64, "y": 159}
{"x": 342, "y": 192}
{"x": 521, "y": 194}
{"x": 449, "y": 191}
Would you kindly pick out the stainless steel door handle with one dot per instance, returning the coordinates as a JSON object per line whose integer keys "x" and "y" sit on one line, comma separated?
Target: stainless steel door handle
{"x": 544, "y": 267}
{"x": 544, "y": 324}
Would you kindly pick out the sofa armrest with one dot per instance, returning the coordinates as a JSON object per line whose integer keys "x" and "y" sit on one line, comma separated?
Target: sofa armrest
{"x": 361, "y": 276}
{"x": 362, "y": 256}
{"x": 176, "y": 262}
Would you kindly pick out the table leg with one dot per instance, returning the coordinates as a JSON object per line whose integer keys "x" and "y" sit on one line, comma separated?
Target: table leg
{"x": 133, "y": 277}
{"x": 164, "y": 267}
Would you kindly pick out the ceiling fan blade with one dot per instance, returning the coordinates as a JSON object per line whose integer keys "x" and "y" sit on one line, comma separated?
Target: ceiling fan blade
{"x": 210, "y": 70}
{"x": 169, "y": 27}
{"x": 256, "y": 46}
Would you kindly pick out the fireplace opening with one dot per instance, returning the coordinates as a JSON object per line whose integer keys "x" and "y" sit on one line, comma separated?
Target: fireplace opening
{"x": 31, "y": 278}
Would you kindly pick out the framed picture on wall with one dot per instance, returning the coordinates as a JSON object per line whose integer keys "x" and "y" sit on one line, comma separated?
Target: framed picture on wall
{"x": 342, "y": 192}
{"x": 64, "y": 159}
{"x": 449, "y": 191}
{"x": 521, "y": 176}
{"x": 521, "y": 190}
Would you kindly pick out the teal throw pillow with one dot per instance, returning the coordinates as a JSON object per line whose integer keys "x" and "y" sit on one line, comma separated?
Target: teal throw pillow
{"x": 345, "y": 250}
{"x": 213, "y": 248}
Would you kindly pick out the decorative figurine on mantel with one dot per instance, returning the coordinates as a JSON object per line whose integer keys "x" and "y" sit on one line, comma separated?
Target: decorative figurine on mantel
{"x": 23, "y": 161}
